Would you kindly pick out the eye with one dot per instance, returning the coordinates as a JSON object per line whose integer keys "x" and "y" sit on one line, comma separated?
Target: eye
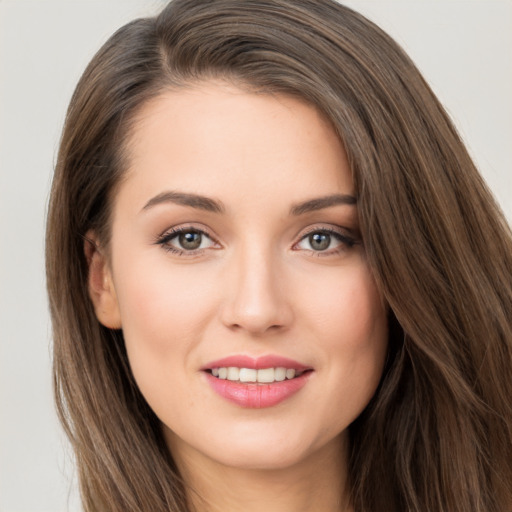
{"x": 185, "y": 240}
{"x": 189, "y": 240}
{"x": 325, "y": 240}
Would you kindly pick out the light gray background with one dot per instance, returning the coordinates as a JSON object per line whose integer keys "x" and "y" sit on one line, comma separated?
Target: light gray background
{"x": 463, "y": 47}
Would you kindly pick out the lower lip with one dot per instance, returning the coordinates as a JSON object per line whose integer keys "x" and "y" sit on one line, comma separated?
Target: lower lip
{"x": 257, "y": 396}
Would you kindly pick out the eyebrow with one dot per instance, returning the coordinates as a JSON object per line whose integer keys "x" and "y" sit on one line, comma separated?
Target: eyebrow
{"x": 211, "y": 205}
{"x": 186, "y": 199}
{"x": 322, "y": 202}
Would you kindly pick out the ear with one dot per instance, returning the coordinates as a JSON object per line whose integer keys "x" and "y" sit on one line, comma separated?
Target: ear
{"x": 100, "y": 284}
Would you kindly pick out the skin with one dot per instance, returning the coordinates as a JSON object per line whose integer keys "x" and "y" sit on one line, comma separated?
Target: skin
{"x": 256, "y": 286}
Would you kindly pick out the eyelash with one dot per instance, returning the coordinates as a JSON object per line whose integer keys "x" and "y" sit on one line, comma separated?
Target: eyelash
{"x": 346, "y": 242}
{"x": 172, "y": 233}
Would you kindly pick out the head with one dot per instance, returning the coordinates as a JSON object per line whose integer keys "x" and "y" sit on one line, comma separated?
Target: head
{"x": 427, "y": 223}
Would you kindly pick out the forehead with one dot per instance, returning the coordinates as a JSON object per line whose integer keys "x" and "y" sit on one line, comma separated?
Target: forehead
{"x": 216, "y": 139}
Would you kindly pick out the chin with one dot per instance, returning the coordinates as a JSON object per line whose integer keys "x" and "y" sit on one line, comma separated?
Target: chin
{"x": 256, "y": 458}
{"x": 268, "y": 449}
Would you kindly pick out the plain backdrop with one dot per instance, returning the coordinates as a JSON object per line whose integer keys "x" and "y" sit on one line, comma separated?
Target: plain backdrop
{"x": 464, "y": 49}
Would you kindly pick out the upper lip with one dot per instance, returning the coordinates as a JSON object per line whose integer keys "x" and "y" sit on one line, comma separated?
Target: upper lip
{"x": 257, "y": 363}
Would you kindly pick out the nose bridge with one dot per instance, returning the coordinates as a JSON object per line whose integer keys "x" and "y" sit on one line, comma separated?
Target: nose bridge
{"x": 255, "y": 300}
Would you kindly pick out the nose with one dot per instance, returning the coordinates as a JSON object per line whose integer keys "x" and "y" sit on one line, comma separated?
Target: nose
{"x": 255, "y": 298}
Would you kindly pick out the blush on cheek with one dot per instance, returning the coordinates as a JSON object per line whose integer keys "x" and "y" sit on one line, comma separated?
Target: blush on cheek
{"x": 158, "y": 305}
{"x": 352, "y": 307}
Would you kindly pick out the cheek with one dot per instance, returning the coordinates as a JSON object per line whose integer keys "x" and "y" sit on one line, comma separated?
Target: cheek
{"x": 349, "y": 310}
{"x": 163, "y": 315}
{"x": 351, "y": 326}
{"x": 163, "y": 311}
{"x": 365, "y": 330}
{"x": 161, "y": 297}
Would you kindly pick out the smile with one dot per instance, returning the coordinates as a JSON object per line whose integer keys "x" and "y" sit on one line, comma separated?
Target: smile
{"x": 256, "y": 383}
{"x": 261, "y": 376}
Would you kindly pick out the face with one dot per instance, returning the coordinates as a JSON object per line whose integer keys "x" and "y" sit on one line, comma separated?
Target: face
{"x": 237, "y": 272}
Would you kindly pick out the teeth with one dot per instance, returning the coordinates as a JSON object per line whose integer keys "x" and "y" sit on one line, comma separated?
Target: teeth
{"x": 290, "y": 374}
{"x": 280, "y": 374}
{"x": 263, "y": 376}
{"x": 248, "y": 375}
{"x": 233, "y": 373}
{"x": 266, "y": 375}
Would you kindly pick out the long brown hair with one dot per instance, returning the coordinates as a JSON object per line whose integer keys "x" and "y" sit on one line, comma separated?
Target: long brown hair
{"x": 437, "y": 435}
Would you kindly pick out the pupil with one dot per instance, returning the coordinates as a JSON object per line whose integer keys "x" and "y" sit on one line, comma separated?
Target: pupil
{"x": 319, "y": 241}
{"x": 190, "y": 240}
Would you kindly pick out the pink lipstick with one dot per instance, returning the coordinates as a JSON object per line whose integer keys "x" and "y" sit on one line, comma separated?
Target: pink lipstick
{"x": 256, "y": 382}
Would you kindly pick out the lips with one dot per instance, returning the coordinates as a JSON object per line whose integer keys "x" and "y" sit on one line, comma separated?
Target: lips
{"x": 256, "y": 382}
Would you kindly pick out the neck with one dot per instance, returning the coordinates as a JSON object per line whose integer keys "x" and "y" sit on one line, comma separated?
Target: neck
{"x": 317, "y": 483}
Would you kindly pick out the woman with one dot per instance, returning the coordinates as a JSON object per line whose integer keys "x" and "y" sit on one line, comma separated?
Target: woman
{"x": 276, "y": 278}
